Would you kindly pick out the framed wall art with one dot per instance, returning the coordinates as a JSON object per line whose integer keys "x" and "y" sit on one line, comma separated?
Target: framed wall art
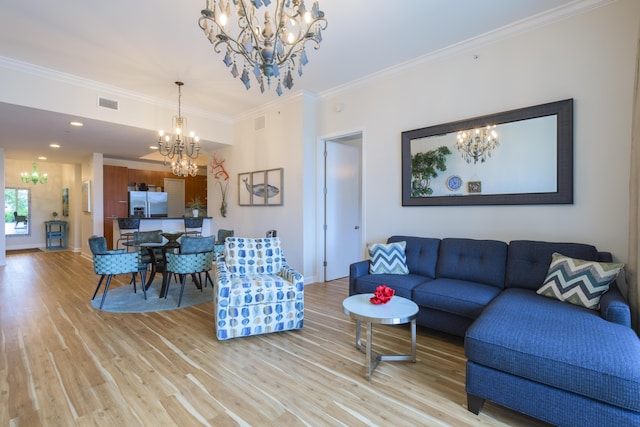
{"x": 244, "y": 189}
{"x": 86, "y": 196}
{"x": 260, "y": 188}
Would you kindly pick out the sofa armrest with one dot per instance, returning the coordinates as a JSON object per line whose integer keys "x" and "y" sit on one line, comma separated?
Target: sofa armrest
{"x": 356, "y": 270}
{"x": 614, "y": 308}
{"x": 290, "y": 274}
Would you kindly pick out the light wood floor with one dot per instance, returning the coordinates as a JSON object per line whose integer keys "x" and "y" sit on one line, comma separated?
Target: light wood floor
{"x": 63, "y": 363}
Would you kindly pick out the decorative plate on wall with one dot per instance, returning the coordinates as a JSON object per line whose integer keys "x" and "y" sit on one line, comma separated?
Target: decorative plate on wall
{"x": 454, "y": 183}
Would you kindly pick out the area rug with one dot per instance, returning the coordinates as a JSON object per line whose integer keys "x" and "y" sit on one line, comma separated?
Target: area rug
{"x": 123, "y": 300}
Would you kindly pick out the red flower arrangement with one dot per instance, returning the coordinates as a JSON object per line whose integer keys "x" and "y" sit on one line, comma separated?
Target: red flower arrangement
{"x": 382, "y": 295}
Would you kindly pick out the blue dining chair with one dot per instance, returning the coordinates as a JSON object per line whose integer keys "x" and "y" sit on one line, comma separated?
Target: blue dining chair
{"x": 108, "y": 263}
{"x": 196, "y": 257}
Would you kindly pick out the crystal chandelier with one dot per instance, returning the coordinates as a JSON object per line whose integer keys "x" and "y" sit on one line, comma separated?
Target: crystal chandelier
{"x": 34, "y": 176}
{"x": 272, "y": 46}
{"x": 182, "y": 166}
{"x": 477, "y": 144}
{"x": 180, "y": 147}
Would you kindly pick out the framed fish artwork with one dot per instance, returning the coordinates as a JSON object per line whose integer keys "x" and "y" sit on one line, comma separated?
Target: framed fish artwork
{"x": 244, "y": 189}
{"x": 274, "y": 187}
{"x": 260, "y": 188}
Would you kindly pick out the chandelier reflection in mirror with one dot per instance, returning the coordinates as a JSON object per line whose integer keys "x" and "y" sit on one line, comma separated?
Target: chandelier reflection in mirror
{"x": 272, "y": 45}
{"x": 477, "y": 144}
{"x": 34, "y": 177}
{"x": 180, "y": 146}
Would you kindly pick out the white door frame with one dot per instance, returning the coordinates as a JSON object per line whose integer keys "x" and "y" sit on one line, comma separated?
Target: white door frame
{"x": 320, "y": 214}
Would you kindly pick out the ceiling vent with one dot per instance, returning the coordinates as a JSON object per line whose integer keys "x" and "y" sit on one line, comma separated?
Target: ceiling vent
{"x": 260, "y": 123}
{"x": 108, "y": 103}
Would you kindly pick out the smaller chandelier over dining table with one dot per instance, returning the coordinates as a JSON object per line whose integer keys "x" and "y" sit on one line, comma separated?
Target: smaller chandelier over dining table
{"x": 180, "y": 147}
{"x": 272, "y": 46}
{"x": 477, "y": 144}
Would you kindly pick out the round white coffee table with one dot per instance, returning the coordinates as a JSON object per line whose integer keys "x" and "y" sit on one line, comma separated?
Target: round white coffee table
{"x": 397, "y": 311}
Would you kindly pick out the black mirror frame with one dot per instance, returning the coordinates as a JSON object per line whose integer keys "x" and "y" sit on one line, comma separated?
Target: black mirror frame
{"x": 564, "y": 194}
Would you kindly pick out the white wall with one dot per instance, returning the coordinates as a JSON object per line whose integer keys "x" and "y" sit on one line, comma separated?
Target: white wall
{"x": 589, "y": 57}
{"x": 283, "y": 143}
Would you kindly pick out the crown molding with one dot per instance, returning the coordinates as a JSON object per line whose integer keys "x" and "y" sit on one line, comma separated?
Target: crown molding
{"x": 551, "y": 16}
{"x": 101, "y": 88}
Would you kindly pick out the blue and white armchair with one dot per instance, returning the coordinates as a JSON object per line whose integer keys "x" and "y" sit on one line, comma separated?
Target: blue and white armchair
{"x": 257, "y": 292}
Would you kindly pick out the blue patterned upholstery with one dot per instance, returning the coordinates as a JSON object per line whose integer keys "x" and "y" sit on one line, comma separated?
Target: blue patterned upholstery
{"x": 257, "y": 292}
{"x": 109, "y": 263}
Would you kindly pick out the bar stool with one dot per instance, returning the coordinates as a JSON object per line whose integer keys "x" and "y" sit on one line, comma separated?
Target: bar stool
{"x": 193, "y": 226}
{"x": 127, "y": 226}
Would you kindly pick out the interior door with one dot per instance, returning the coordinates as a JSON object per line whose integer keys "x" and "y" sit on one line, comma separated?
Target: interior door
{"x": 175, "y": 197}
{"x": 342, "y": 207}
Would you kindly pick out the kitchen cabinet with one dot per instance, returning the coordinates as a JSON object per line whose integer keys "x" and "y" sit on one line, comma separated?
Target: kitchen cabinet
{"x": 115, "y": 198}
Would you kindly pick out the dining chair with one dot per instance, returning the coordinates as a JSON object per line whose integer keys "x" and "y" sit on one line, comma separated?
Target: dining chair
{"x": 190, "y": 245}
{"x": 126, "y": 227}
{"x": 108, "y": 263}
{"x": 222, "y": 235}
{"x": 184, "y": 264}
{"x": 193, "y": 226}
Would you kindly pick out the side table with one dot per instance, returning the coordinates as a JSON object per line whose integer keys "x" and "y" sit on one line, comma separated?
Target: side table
{"x": 397, "y": 311}
{"x": 55, "y": 231}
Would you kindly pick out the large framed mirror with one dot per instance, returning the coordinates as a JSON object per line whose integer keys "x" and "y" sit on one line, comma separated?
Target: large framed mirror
{"x": 517, "y": 157}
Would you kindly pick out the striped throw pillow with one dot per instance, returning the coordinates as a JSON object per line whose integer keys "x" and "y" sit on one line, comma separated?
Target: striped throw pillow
{"x": 578, "y": 281}
{"x": 388, "y": 258}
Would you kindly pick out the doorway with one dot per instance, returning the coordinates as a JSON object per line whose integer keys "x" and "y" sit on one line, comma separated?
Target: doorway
{"x": 342, "y": 204}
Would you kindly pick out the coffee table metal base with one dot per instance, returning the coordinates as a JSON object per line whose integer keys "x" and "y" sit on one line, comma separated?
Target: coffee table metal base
{"x": 374, "y": 358}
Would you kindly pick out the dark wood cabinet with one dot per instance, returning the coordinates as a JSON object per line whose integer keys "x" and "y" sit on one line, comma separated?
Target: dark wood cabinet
{"x": 117, "y": 180}
{"x": 115, "y": 198}
{"x": 194, "y": 186}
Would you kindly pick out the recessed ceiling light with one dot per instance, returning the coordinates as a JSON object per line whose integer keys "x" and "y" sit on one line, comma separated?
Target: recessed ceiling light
{"x": 42, "y": 158}
{"x": 76, "y": 123}
{"x": 54, "y": 145}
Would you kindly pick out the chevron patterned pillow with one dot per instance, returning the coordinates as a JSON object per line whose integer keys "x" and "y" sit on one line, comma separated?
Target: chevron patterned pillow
{"x": 578, "y": 281}
{"x": 388, "y": 258}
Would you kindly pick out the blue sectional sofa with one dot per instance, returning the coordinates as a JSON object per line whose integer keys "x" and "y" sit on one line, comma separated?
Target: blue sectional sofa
{"x": 559, "y": 362}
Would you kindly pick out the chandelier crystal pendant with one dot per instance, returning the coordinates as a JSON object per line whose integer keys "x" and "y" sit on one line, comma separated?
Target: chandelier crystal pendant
{"x": 180, "y": 146}
{"x": 183, "y": 166}
{"x": 34, "y": 177}
{"x": 272, "y": 44}
{"x": 477, "y": 144}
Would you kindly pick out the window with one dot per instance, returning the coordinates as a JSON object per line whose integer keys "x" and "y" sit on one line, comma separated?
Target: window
{"x": 17, "y": 211}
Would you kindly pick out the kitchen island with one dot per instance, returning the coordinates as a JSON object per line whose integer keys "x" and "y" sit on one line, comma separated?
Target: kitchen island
{"x": 169, "y": 225}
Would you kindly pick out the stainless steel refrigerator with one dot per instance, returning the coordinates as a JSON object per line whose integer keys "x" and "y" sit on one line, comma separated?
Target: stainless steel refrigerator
{"x": 148, "y": 204}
